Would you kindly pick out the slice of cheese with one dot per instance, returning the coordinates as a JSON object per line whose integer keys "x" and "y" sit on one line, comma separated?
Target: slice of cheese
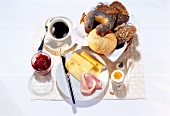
{"x": 97, "y": 65}
{"x": 77, "y": 65}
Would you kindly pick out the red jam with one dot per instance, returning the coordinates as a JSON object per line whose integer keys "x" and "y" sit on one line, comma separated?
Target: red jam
{"x": 41, "y": 62}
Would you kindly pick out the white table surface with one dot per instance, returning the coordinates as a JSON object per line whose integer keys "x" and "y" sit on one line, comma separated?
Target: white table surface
{"x": 17, "y": 20}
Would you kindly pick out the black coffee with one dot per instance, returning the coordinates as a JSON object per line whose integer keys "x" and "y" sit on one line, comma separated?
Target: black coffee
{"x": 59, "y": 30}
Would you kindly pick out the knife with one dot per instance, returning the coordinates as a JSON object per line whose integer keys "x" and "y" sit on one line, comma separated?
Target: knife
{"x": 67, "y": 75}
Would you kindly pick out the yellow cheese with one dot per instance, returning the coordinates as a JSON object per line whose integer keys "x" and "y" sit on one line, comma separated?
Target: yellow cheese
{"x": 91, "y": 59}
{"x": 97, "y": 65}
{"x": 95, "y": 71}
{"x": 77, "y": 65}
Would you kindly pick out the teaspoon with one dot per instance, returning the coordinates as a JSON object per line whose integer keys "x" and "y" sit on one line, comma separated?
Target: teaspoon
{"x": 46, "y": 30}
{"x": 130, "y": 66}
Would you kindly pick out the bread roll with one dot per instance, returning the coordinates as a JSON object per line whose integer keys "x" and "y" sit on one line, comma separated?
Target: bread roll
{"x": 124, "y": 32}
{"x": 123, "y": 15}
{"x": 102, "y": 44}
{"x": 105, "y": 20}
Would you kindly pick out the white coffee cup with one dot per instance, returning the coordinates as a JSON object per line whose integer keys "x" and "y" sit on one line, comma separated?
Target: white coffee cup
{"x": 59, "y": 29}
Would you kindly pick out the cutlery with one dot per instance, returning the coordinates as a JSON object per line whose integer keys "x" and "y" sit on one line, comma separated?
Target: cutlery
{"x": 67, "y": 75}
{"x": 46, "y": 30}
{"x": 130, "y": 66}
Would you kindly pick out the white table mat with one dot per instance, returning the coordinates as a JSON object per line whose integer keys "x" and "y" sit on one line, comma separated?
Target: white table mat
{"x": 46, "y": 88}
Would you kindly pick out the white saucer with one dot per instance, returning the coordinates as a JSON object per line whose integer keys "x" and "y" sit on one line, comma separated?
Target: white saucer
{"x": 54, "y": 46}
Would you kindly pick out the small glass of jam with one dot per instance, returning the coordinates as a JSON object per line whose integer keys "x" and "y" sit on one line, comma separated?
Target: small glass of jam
{"x": 41, "y": 63}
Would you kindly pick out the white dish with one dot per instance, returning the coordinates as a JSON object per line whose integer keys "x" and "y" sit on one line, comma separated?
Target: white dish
{"x": 62, "y": 83}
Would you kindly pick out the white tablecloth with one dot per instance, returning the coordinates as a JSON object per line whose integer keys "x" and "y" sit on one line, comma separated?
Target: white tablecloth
{"x": 17, "y": 20}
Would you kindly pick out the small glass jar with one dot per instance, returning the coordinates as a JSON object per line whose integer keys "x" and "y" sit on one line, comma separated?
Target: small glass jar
{"x": 41, "y": 63}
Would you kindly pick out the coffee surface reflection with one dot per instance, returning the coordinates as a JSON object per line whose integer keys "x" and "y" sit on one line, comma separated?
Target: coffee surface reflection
{"x": 60, "y": 30}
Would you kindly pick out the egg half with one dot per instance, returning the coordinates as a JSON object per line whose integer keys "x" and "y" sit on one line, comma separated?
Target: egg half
{"x": 117, "y": 76}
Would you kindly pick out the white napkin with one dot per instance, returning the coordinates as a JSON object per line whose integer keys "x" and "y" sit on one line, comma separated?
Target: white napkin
{"x": 79, "y": 35}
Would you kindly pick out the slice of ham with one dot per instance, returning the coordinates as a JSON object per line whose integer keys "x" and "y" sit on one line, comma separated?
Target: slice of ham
{"x": 89, "y": 83}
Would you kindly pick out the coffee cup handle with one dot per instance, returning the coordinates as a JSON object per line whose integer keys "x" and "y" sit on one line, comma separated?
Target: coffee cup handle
{"x": 47, "y": 24}
{"x": 48, "y": 21}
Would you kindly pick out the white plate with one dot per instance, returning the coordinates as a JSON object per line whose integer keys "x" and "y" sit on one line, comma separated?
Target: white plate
{"x": 62, "y": 83}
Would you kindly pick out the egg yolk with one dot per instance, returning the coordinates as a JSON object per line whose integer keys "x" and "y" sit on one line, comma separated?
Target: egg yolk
{"x": 117, "y": 75}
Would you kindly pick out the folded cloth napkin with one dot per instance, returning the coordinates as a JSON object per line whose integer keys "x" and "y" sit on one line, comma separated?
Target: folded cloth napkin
{"x": 79, "y": 35}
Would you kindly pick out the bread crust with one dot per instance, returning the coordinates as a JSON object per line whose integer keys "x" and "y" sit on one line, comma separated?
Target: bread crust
{"x": 119, "y": 6}
{"x": 106, "y": 22}
{"x": 102, "y": 44}
{"x": 107, "y": 9}
{"x": 124, "y": 32}
{"x": 117, "y": 11}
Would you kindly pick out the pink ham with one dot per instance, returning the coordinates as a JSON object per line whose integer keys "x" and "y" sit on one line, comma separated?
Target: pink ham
{"x": 89, "y": 83}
